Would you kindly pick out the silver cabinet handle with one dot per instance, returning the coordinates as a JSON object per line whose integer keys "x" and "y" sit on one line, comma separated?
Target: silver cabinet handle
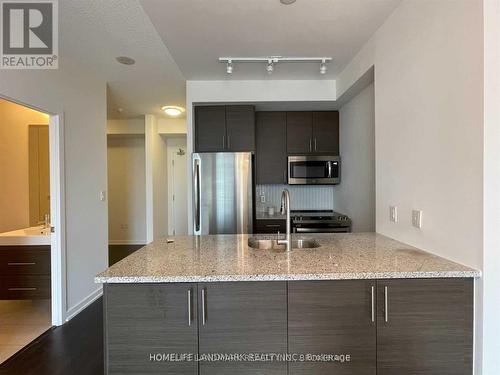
{"x": 273, "y": 225}
{"x": 21, "y": 289}
{"x": 386, "y": 304}
{"x": 329, "y": 166}
{"x": 203, "y": 306}
{"x": 310, "y": 144}
{"x": 190, "y": 307}
{"x": 223, "y": 142}
{"x": 21, "y": 263}
{"x": 373, "y": 304}
{"x": 197, "y": 196}
{"x": 315, "y": 145}
{"x": 228, "y": 142}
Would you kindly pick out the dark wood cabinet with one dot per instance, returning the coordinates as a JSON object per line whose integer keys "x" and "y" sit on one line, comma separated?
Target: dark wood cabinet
{"x": 270, "y": 226}
{"x": 270, "y": 156}
{"x": 224, "y": 128}
{"x": 142, "y": 320}
{"x": 425, "y": 327}
{"x": 240, "y": 128}
{"x": 210, "y": 128}
{"x": 312, "y": 132}
{"x": 243, "y": 317}
{"x": 25, "y": 272}
{"x": 338, "y": 317}
{"x": 299, "y": 132}
{"x": 326, "y": 132}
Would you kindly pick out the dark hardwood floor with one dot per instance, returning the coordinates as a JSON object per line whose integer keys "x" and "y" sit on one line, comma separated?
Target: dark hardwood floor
{"x": 75, "y": 348}
{"x": 118, "y": 252}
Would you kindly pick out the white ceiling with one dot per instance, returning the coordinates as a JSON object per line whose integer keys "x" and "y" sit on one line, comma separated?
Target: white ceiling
{"x": 197, "y": 32}
{"x": 175, "y": 40}
{"x": 93, "y": 33}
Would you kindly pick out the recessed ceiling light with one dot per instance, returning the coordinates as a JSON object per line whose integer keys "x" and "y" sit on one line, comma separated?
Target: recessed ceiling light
{"x": 172, "y": 110}
{"x": 125, "y": 60}
{"x": 287, "y": 2}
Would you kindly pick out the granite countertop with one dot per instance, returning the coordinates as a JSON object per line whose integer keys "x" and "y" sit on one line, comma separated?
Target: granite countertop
{"x": 229, "y": 258}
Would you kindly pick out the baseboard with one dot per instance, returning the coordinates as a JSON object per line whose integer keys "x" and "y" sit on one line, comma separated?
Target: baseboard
{"x": 127, "y": 242}
{"x": 80, "y": 306}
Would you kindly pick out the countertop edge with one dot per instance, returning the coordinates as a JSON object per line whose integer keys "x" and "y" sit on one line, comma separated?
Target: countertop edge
{"x": 296, "y": 277}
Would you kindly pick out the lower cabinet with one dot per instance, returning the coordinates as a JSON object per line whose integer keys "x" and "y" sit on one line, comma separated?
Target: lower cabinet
{"x": 337, "y": 318}
{"x": 424, "y": 327}
{"x": 143, "y": 320}
{"x": 383, "y": 327}
{"x": 239, "y": 318}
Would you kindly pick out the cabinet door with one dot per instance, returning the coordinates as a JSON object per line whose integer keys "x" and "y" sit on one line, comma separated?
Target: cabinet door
{"x": 299, "y": 132}
{"x": 210, "y": 128}
{"x": 426, "y": 328}
{"x": 326, "y": 132}
{"x": 270, "y": 226}
{"x": 145, "y": 319}
{"x": 332, "y": 317}
{"x": 242, "y": 317}
{"x": 240, "y": 127}
{"x": 271, "y": 160}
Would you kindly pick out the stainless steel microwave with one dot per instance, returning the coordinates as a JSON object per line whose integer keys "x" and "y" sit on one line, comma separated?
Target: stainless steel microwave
{"x": 313, "y": 170}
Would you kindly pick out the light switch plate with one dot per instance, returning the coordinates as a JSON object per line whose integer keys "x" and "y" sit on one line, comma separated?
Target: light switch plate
{"x": 262, "y": 198}
{"x": 393, "y": 214}
{"x": 416, "y": 218}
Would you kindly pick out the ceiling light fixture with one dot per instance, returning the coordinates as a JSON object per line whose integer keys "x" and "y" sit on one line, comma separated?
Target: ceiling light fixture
{"x": 322, "y": 67}
{"x": 287, "y": 2}
{"x": 173, "y": 111}
{"x": 125, "y": 60}
{"x": 271, "y": 61}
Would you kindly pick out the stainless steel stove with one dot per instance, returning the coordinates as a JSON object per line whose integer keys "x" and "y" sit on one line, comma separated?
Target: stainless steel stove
{"x": 319, "y": 221}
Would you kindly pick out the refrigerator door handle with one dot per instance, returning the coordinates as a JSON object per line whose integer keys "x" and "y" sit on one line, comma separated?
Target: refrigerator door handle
{"x": 197, "y": 197}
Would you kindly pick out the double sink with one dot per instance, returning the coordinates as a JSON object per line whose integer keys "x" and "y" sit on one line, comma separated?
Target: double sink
{"x": 272, "y": 244}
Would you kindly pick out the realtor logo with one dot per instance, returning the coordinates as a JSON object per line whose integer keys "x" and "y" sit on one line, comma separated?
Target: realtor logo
{"x": 28, "y": 34}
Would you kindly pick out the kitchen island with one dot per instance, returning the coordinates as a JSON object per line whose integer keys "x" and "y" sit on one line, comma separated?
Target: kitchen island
{"x": 357, "y": 304}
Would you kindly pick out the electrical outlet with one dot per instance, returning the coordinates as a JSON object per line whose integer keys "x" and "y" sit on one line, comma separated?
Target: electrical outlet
{"x": 393, "y": 214}
{"x": 416, "y": 218}
{"x": 262, "y": 198}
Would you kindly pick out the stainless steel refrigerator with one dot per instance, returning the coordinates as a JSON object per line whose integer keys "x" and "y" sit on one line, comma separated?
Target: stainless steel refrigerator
{"x": 223, "y": 193}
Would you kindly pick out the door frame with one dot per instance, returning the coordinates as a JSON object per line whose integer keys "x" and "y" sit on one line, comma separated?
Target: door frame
{"x": 57, "y": 211}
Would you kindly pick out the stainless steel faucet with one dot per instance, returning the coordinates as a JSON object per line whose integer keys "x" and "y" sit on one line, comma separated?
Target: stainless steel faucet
{"x": 285, "y": 208}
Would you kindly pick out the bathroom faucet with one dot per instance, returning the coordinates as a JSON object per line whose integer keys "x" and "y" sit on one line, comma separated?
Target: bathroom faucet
{"x": 285, "y": 208}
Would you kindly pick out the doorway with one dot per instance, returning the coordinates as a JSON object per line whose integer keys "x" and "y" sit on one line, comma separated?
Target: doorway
{"x": 31, "y": 229}
{"x": 177, "y": 186}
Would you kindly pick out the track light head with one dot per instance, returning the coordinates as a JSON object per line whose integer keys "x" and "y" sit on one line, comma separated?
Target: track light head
{"x": 229, "y": 67}
{"x": 322, "y": 67}
{"x": 270, "y": 67}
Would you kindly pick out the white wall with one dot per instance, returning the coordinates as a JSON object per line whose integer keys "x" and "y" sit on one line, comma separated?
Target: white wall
{"x": 355, "y": 196}
{"x": 491, "y": 270}
{"x": 125, "y": 126}
{"x": 80, "y": 98}
{"x": 126, "y": 189}
{"x": 428, "y": 59}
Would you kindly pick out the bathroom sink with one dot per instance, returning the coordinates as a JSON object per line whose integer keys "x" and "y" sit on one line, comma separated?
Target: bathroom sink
{"x": 272, "y": 244}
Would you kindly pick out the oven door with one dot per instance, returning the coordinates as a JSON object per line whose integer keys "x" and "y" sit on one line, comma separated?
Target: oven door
{"x": 313, "y": 170}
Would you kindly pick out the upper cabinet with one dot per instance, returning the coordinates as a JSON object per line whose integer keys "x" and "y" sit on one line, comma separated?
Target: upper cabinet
{"x": 312, "y": 132}
{"x": 325, "y": 132}
{"x": 271, "y": 162}
{"x": 225, "y": 128}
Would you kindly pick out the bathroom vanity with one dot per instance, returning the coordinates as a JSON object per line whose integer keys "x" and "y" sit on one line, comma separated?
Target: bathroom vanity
{"x": 357, "y": 304}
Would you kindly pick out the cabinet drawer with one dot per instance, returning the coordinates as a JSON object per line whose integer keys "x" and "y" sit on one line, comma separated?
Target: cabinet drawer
{"x": 25, "y": 260}
{"x": 25, "y": 287}
{"x": 270, "y": 226}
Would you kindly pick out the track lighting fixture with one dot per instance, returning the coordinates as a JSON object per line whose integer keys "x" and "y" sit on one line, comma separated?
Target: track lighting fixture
{"x": 322, "y": 67}
{"x": 271, "y": 61}
{"x": 270, "y": 67}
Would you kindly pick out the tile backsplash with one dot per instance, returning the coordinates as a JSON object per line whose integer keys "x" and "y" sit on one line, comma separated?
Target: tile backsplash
{"x": 307, "y": 197}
